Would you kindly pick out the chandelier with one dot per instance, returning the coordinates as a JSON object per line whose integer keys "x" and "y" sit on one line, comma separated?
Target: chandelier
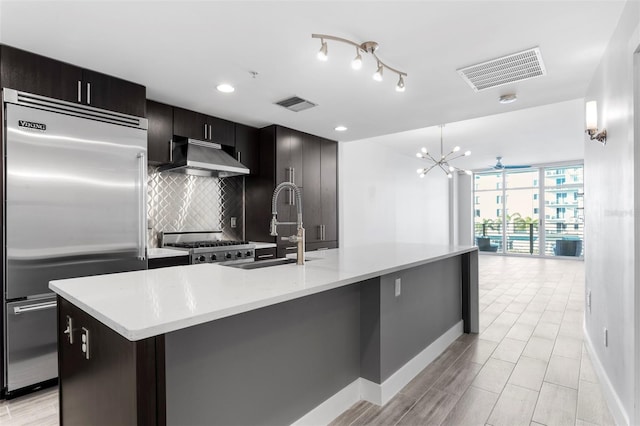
{"x": 366, "y": 47}
{"x": 443, "y": 162}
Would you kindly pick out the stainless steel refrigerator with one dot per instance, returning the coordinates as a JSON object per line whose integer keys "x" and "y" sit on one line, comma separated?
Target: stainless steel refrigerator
{"x": 74, "y": 205}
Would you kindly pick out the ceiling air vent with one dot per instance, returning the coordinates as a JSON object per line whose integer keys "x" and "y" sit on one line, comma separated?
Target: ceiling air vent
{"x": 296, "y": 104}
{"x": 508, "y": 69}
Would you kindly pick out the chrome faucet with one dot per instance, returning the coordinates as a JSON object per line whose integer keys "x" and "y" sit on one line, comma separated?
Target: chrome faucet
{"x": 299, "y": 236}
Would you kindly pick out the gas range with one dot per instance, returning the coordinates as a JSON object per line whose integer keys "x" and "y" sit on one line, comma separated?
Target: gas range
{"x": 208, "y": 247}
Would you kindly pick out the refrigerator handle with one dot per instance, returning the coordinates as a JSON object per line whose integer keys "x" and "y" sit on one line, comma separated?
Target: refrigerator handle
{"x": 142, "y": 200}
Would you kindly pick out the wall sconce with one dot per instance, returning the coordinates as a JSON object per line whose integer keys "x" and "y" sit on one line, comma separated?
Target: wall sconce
{"x": 592, "y": 123}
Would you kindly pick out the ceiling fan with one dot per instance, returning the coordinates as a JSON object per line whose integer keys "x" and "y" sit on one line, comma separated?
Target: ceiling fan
{"x": 500, "y": 166}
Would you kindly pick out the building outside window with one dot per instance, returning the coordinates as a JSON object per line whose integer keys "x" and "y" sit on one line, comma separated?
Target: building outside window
{"x": 542, "y": 207}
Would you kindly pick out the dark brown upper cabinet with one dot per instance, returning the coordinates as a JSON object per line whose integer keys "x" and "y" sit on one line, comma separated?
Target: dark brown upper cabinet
{"x": 28, "y": 72}
{"x": 37, "y": 74}
{"x": 221, "y": 131}
{"x": 246, "y": 147}
{"x": 112, "y": 93}
{"x": 195, "y": 125}
{"x": 190, "y": 124}
{"x": 160, "y": 132}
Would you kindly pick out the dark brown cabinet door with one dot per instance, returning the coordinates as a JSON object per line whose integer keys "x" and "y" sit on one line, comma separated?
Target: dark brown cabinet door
{"x": 312, "y": 207}
{"x": 221, "y": 131}
{"x": 112, "y": 93}
{"x": 265, "y": 254}
{"x": 329, "y": 189}
{"x": 289, "y": 161}
{"x": 246, "y": 147}
{"x": 190, "y": 124}
{"x": 160, "y": 117}
{"x": 40, "y": 75}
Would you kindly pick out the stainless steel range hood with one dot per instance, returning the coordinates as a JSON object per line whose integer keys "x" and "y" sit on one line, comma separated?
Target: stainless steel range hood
{"x": 201, "y": 158}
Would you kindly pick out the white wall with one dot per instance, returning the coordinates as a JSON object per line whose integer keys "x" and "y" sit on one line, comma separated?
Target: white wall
{"x": 382, "y": 199}
{"x": 465, "y": 210}
{"x": 611, "y": 188}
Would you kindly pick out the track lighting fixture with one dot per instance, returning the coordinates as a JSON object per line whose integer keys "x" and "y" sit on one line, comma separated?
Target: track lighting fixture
{"x": 369, "y": 47}
{"x": 443, "y": 162}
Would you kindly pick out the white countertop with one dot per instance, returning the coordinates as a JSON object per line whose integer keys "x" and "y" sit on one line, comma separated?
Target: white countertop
{"x": 143, "y": 304}
{"x": 260, "y": 245}
{"x": 155, "y": 253}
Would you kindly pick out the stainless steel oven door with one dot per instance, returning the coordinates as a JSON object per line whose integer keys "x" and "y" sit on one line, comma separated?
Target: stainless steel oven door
{"x": 31, "y": 351}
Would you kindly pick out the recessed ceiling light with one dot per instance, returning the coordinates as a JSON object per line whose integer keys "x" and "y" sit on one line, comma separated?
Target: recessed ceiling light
{"x": 507, "y": 99}
{"x": 340, "y": 128}
{"x": 225, "y": 88}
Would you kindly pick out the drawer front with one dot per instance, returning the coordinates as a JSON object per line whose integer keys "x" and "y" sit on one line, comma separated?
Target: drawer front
{"x": 322, "y": 245}
{"x": 31, "y": 342}
{"x": 266, "y": 253}
{"x": 163, "y": 262}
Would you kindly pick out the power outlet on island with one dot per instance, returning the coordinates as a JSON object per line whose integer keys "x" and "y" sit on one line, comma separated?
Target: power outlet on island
{"x": 234, "y": 222}
{"x": 398, "y": 290}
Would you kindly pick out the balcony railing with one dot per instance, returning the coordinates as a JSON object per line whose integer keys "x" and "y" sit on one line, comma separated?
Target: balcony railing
{"x": 560, "y": 239}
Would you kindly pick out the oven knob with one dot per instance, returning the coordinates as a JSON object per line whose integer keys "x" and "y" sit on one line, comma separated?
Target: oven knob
{"x": 239, "y": 254}
{"x": 248, "y": 254}
{"x": 201, "y": 258}
{"x": 228, "y": 256}
{"x": 214, "y": 257}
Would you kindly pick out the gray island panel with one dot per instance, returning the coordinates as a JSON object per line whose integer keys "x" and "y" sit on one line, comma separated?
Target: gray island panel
{"x": 265, "y": 367}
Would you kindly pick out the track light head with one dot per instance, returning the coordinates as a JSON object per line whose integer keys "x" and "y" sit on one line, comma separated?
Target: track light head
{"x": 377, "y": 76}
{"x": 323, "y": 52}
{"x": 400, "y": 85}
{"x": 356, "y": 64}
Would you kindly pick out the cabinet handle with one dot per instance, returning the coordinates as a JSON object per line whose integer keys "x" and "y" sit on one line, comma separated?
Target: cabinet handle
{"x": 205, "y": 131}
{"x": 171, "y": 150}
{"x": 323, "y": 232}
{"x": 322, "y": 248}
{"x": 320, "y": 232}
{"x": 239, "y": 156}
{"x": 210, "y": 132}
{"x": 142, "y": 206}
{"x": 79, "y": 91}
{"x": 291, "y": 178}
{"x": 88, "y": 93}
{"x": 291, "y": 248}
{"x": 265, "y": 256}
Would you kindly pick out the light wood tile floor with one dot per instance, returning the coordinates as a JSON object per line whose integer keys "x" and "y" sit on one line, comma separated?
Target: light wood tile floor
{"x": 527, "y": 366}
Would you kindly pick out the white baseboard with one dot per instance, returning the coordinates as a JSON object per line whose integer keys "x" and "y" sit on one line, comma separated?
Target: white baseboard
{"x": 618, "y": 412}
{"x": 334, "y": 406}
{"x": 381, "y": 394}
{"x": 363, "y": 389}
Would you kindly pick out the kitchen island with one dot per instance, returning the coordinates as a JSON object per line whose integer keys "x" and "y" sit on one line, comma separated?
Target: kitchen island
{"x": 210, "y": 344}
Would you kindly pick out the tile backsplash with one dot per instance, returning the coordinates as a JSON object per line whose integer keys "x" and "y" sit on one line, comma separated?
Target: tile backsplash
{"x": 180, "y": 202}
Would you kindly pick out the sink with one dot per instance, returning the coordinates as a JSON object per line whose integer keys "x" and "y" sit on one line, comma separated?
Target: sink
{"x": 265, "y": 263}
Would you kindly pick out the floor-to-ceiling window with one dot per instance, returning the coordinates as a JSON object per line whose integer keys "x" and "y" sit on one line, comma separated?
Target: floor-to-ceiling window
{"x": 530, "y": 211}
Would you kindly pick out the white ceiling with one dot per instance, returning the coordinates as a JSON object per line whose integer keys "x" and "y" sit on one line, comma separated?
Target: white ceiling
{"x": 181, "y": 50}
{"x": 549, "y": 133}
